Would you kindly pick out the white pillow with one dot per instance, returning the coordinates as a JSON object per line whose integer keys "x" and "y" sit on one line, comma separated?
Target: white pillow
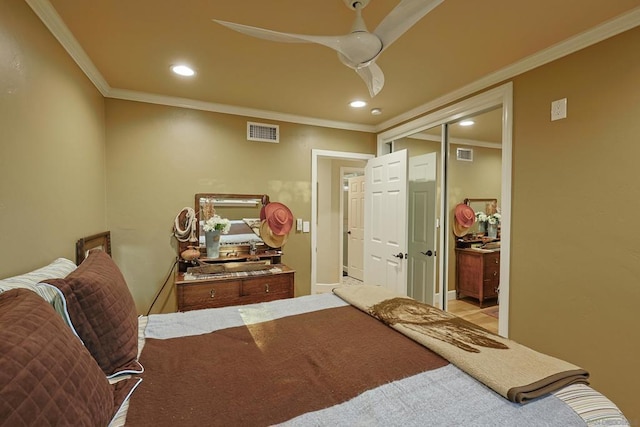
{"x": 58, "y": 269}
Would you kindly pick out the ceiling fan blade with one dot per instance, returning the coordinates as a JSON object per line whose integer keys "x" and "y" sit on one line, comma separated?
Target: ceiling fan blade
{"x": 401, "y": 18}
{"x": 373, "y": 76}
{"x": 333, "y": 42}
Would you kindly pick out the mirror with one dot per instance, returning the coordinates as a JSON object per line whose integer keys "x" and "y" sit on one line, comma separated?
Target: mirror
{"x": 481, "y": 206}
{"x": 242, "y": 210}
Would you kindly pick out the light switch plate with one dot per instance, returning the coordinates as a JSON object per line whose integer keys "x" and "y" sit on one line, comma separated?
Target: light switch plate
{"x": 299, "y": 224}
{"x": 305, "y": 227}
{"x": 559, "y": 109}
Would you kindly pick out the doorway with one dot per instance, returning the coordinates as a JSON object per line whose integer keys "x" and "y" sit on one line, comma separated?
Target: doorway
{"x": 327, "y": 205}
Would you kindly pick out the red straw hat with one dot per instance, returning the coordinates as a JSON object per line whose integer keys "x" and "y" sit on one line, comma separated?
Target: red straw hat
{"x": 464, "y": 218}
{"x": 279, "y": 218}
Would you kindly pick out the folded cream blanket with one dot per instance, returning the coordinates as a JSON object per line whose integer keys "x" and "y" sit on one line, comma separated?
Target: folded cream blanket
{"x": 516, "y": 372}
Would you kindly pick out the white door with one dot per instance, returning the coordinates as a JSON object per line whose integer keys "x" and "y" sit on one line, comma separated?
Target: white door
{"x": 385, "y": 212}
{"x": 422, "y": 214}
{"x": 355, "y": 231}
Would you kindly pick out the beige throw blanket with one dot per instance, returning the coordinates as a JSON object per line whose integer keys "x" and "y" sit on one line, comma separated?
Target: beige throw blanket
{"x": 516, "y": 372}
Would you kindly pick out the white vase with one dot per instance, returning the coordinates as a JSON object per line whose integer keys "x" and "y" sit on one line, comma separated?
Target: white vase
{"x": 212, "y": 239}
{"x": 492, "y": 230}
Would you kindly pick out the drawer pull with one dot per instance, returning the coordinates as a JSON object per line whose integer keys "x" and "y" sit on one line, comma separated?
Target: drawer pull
{"x": 495, "y": 273}
{"x": 266, "y": 288}
{"x": 212, "y": 292}
{"x": 497, "y": 260}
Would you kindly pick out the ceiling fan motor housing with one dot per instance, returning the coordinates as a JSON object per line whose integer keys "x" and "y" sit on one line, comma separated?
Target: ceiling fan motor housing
{"x": 358, "y": 49}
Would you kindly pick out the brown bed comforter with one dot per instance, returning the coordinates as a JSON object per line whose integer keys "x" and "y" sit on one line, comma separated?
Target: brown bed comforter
{"x": 207, "y": 377}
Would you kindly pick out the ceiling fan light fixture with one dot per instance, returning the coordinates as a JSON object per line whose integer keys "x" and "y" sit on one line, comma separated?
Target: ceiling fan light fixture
{"x": 358, "y": 104}
{"x": 183, "y": 70}
{"x": 376, "y": 111}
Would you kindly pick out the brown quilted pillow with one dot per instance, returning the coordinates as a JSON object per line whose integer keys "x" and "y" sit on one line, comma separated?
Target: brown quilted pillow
{"x": 103, "y": 313}
{"x": 47, "y": 377}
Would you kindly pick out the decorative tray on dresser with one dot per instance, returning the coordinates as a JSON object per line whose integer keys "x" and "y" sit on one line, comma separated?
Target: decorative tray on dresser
{"x": 233, "y": 288}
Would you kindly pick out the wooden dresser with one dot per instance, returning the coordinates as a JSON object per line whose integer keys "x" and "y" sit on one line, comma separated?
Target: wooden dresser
{"x": 234, "y": 288}
{"x": 477, "y": 273}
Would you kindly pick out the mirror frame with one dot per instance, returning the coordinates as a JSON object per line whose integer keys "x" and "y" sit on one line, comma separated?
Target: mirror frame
{"x": 468, "y": 201}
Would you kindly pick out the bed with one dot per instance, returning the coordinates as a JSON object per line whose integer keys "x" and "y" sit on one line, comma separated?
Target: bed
{"x": 73, "y": 351}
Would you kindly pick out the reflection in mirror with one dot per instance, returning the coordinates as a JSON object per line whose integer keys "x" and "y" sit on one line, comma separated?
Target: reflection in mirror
{"x": 475, "y": 179}
{"x": 485, "y": 207}
{"x": 424, "y": 150}
{"x": 242, "y": 210}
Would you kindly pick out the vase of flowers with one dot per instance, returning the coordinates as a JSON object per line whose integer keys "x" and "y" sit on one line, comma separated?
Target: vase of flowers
{"x": 481, "y": 219}
{"x": 213, "y": 228}
{"x": 493, "y": 221}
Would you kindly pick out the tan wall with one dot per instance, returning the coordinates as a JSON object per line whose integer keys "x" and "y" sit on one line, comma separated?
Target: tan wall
{"x": 158, "y": 157}
{"x": 575, "y": 270}
{"x": 52, "y": 160}
{"x": 324, "y": 271}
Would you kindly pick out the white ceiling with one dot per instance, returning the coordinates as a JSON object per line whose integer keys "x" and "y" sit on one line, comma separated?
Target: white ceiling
{"x": 127, "y": 46}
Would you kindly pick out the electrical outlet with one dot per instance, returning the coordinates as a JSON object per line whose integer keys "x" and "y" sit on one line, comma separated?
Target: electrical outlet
{"x": 559, "y": 109}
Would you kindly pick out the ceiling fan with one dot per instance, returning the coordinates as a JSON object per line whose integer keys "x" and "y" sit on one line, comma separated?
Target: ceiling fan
{"x": 359, "y": 49}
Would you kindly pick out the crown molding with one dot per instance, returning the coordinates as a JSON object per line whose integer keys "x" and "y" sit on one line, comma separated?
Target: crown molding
{"x": 585, "y": 39}
{"x": 61, "y": 32}
{"x": 130, "y": 95}
{"x": 48, "y": 15}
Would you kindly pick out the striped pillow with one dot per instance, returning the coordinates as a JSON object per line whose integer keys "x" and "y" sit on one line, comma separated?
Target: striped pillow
{"x": 58, "y": 269}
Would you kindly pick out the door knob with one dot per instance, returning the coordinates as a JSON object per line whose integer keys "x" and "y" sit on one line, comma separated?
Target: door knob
{"x": 428, "y": 253}
{"x": 399, "y": 255}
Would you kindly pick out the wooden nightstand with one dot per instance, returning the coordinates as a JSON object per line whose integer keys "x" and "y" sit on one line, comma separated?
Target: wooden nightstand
{"x": 220, "y": 290}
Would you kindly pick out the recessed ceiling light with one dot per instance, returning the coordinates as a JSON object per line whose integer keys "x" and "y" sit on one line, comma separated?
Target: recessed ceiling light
{"x": 358, "y": 104}
{"x": 376, "y": 111}
{"x": 183, "y": 70}
{"x": 467, "y": 123}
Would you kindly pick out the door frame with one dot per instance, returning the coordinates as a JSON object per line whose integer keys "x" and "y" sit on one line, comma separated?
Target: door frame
{"x": 496, "y": 97}
{"x": 316, "y": 156}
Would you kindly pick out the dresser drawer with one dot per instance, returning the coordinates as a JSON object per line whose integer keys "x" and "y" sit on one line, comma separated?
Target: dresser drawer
{"x": 273, "y": 285}
{"x": 207, "y": 295}
{"x": 224, "y": 291}
{"x": 490, "y": 287}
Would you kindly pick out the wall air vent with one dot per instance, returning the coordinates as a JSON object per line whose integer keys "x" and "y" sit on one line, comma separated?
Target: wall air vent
{"x": 464, "y": 154}
{"x": 263, "y": 132}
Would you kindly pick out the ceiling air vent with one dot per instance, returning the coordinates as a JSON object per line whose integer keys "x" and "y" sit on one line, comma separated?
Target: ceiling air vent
{"x": 263, "y": 132}
{"x": 464, "y": 154}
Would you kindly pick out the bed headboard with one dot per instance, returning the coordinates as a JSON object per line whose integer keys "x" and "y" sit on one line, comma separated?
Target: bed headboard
{"x": 101, "y": 241}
